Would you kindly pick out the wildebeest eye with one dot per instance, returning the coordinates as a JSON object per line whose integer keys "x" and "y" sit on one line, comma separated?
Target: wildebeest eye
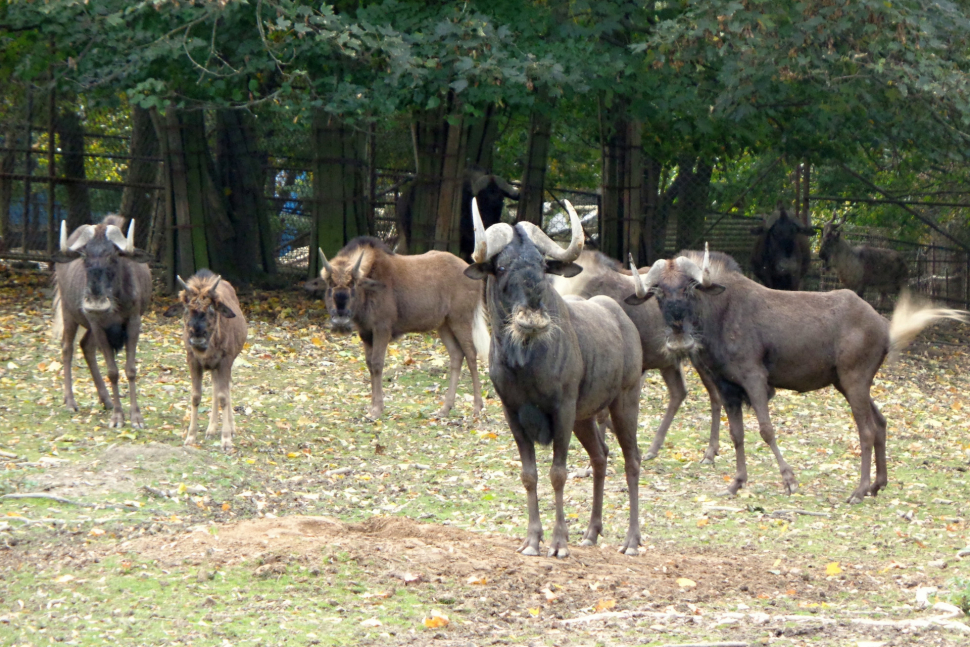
{"x": 500, "y": 270}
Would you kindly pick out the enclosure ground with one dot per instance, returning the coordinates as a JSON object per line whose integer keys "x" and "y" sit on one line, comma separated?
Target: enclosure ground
{"x": 326, "y": 528}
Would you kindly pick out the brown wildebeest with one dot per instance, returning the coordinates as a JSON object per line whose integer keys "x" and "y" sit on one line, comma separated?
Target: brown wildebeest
{"x": 214, "y": 334}
{"x": 103, "y": 284}
{"x": 555, "y": 362}
{"x": 861, "y": 266}
{"x": 384, "y": 295}
{"x": 782, "y": 252}
{"x": 603, "y": 275}
{"x": 753, "y": 340}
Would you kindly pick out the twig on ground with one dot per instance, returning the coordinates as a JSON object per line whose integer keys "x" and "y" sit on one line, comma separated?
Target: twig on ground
{"x": 7, "y": 454}
{"x": 28, "y": 522}
{"x": 807, "y": 513}
{"x": 50, "y": 497}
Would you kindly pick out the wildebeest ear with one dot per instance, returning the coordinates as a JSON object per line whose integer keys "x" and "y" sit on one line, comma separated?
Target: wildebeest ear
{"x": 174, "y": 310}
{"x": 568, "y": 270}
{"x": 224, "y": 310}
{"x": 712, "y": 289}
{"x": 479, "y": 271}
{"x": 65, "y": 257}
{"x": 634, "y": 300}
{"x": 370, "y": 285}
{"x": 139, "y": 256}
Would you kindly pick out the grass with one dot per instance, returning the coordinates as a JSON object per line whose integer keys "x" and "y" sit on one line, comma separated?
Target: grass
{"x": 301, "y": 396}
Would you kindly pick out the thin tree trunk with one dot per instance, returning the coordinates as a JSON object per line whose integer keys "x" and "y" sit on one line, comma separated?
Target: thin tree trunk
{"x": 621, "y": 220}
{"x": 537, "y": 158}
{"x": 8, "y": 160}
{"x": 692, "y": 203}
{"x": 654, "y": 222}
{"x": 139, "y": 203}
{"x": 70, "y": 131}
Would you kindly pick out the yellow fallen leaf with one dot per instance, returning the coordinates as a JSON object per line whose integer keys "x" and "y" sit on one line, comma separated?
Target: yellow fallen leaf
{"x": 833, "y": 568}
{"x": 182, "y": 488}
{"x": 603, "y": 605}
{"x": 685, "y": 583}
{"x": 316, "y": 341}
{"x": 535, "y": 611}
{"x": 226, "y": 506}
{"x": 436, "y": 620}
{"x": 292, "y": 455}
{"x": 702, "y": 522}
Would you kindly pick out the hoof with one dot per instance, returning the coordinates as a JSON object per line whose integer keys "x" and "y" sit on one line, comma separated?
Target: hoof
{"x": 854, "y": 499}
{"x": 227, "y": 447}
{"x": 560, "y": 553}
{"x": 587, "y": 542}
{"x": 529, "y": 550}
{"x": 727, "y": 494}
{"x": 649, "y": 456}
{"x": 630, "y": 552}
{"x": 707, "y": 461}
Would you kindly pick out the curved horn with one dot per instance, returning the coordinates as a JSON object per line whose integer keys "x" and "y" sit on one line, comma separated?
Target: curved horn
{"x": 549, "y": 247}
{"x": 491, "y": 242}
{"x": 323, "y": 261}
{"x": 131, "y": 236}
{"x": 114, "y": 234}
{"x": 356, "y": 271}
{"x": 643, "y": 284}
{"x": 216, "y": 284}
{"x": 689, "y": 268}
{"x": 87, "y": 233}
{"x": 181, "y": 282}
{"x": 63, "y": 235}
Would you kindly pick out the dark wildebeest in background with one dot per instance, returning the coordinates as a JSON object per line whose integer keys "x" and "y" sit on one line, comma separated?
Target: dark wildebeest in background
{"x": 214, "y": 334}
{"x": 384, "y": 295}
{"x": 103, "y": 284}
{"x": 861, "y": 266}
{"x": 603, "y": 275}
{"x": 782, "y": 252}
{"x": 490, "y": 191}
{"x": 753, "y": 340}
{"x": 555, "y": 362}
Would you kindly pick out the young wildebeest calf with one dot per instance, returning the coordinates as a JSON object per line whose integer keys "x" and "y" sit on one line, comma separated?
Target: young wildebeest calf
{"x": 214, "y": 334}
{"x": 555, "y": 362}
{"x": 385, "y": 295}
{"x": 753, "y": 340}
{"x": 103, "y": 284}
{"x": 603, "y": 275}
{"x": 862, "y": 266}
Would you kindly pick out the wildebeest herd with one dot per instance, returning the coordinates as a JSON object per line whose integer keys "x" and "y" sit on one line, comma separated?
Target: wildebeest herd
{"x": 572, "y": 335}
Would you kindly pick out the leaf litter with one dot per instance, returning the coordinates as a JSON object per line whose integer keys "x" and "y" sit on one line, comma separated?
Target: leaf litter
{"x": 403, "y": 530}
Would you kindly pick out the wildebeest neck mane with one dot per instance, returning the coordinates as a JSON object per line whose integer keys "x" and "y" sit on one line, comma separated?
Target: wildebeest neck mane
{"x": 365, "y": 241}
{"x": 721, "y": 263}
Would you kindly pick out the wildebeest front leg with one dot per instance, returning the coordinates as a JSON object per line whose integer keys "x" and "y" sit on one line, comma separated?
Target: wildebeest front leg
{"x": 118, "y": 414}
{"x": 89, "y": 348}
{"x": 213, "y": 427}
{"x": 221, "y": 399}
{"x": 714, "y": 443}
{"x": 563, "y": 422}
{"x": 530, "y": 480}
{"x": 374, "y": 354}
{"x": 759, "y": 402}
{"x": 67, "y": 359}
{"x": 623, "y": 412}
{"x": 131, "y": 372}
{"x": 677, "y": 392}
{"x": 736, "y": 424}
{"x": 195, "y": 370}
{"x": 591, "y": 438}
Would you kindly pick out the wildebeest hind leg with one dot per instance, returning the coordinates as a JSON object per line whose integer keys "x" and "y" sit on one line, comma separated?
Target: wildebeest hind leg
{"x": 736, "y": 426}
{"x": 456, "y": 356}
{"x": 131, "y": 372}
{"x": 67, "y": 359}
{"x": 590, "y": 438}
{"x": 677, "y": 392}
{"x": 862, "y": 412}
{"x": 89, "y": 348}
{"x": 623, "y": 412}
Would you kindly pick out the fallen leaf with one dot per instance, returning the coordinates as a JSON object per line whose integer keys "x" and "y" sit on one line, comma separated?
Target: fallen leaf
{"x": 477, "y": 579}
{"x": 603, "y": 605}
{"x": 833, "y": 568}
{"x": 685, "y": 583}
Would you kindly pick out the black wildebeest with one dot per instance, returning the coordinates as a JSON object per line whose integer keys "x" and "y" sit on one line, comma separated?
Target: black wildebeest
{"x": 782, "y": 252}
{"x": 214, "y": 333}
{"x": 103, "y": 284}
{"x": 384, "y": 295}
{"x": 753, "y": 340}
{"x": 861, "y": 266}
{"x": 555, "y": 362}
{"x": 603, "y": 275}
{"x": 490, "y": 190}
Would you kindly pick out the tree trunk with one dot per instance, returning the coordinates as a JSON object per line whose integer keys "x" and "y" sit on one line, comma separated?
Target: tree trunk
{"x": 537, "y": 157}
{"x": 11, "y": 139}
{"x": 436, "y": 207}
{"x": 139, "y": 203}
{"x": 240, "y": 172}
{"x": 692, "y": 203}
{"x": 654, "y": 219}
{"x": 339, "y": 187}
{"x": 70, "y": 131}
{"x": 621, "y": 219}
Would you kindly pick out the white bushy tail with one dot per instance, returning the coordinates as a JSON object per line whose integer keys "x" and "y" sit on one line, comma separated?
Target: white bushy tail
{"x": 57, "y": 318}
{"x": 911, "y": 316}
{"x": 480, "y": 335}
